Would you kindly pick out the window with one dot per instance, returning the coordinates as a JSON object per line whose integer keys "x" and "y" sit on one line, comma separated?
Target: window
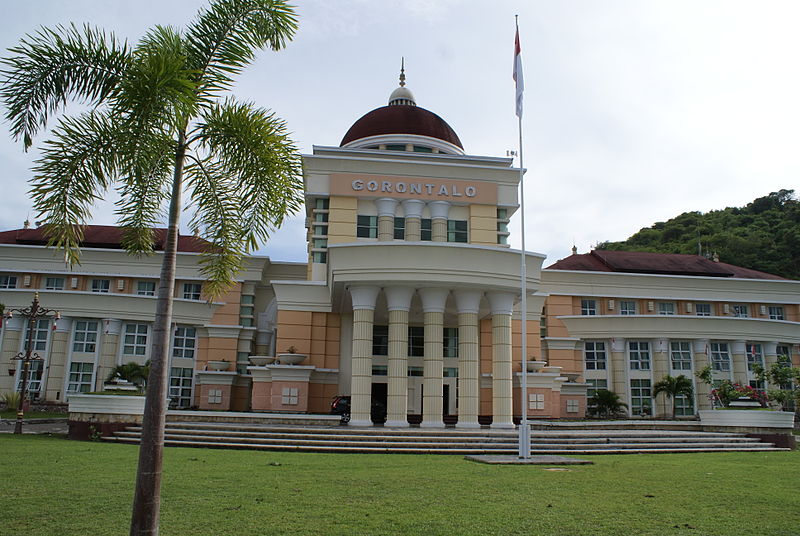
{"x": 80, "y": 378}
{"x": 776, "y": 313}
{"x": 450, "y": 372}
{"x": 191, "y": 291}
{"x": 684, "y": 406}
{"x": 740, "y": 311}
{"x": 180, "y": 386}
{"x": 399, "y": 228}
{"x": 720, "y": 356}
{"x": 395, "y": 147}
{"x": 502, "y": 226}
{"x": 588, "y": 307}
{"x": 416, "y": 371}
{"x": 322, "y": 203}
{"x": 54, "y": 283}
{"x": 639, "y": 355}
{"x": 380, "y": 340}
{"x": 416, "y": 341}
{"x": 457, "y": 231}
{"x": 320, "y": 230}
{"x": 450, "y": 342}
{"x": 421, "y": 149}
{"x": 380, "y": 370}
{"x": 702, "y": 309}
{"x": 594, "y": 353}
{"x": 666, "y": 308}
{"x": 319, "y": 257}
{"x": 321, "y": 217}
{"x": 101, "y": 285}
{"x": 40, "y": 335}
{"x": 627, "y": 307}
{"x": 594, "y": 386}
{"x": 681, "y": 354}
{"x": 184, "y": 342}
{"x": 135, "y": 340}
{"x": 367, "y": 226}
{"x": 784, "y": 353}
{"x": 8, "y": 281}
{"x": 426, "y": 229}
{"x": 146, "y": 288}
{"x": 641, "y": 398}
{"x": 758, "y": 385}
{"x": 754, "y": 356}
{"x": 84, "y": 337}
{"x": 35, "y": 373}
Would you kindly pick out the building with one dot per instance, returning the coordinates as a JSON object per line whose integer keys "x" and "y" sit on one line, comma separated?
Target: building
{"x": 408, "y": 302}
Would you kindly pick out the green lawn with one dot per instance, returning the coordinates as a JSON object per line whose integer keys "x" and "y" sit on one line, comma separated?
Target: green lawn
{"x": 54, "y": 486}
{"x": 12, "y": 414}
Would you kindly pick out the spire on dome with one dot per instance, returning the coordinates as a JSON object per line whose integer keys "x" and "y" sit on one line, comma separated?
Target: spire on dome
{"x": 402, "y": 95}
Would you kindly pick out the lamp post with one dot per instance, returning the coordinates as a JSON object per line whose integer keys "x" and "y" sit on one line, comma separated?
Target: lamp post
{"x": 33, "y": 313}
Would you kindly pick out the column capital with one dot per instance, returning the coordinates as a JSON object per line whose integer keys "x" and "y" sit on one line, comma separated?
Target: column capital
{"x": 439, "y": 209}
{"x": 501, "y": 303}
{"x": 770, "y": 348}
{"x": 699, "y": 346}
{"x": 433, "y": 299}
{"x": 364, "y": 297}
{"x": 398, "y": 298}
{"x": 468, "y": 301}
{"x": 738, "y": 347}
{"x": 413, "y": 207}
{"x": 386, "y": 206}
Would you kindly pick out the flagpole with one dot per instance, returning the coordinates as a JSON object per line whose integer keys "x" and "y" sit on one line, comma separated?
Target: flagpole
{"x": 524, "y": 427}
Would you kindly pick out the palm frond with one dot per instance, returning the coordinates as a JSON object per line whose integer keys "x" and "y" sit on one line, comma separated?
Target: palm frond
{"x": 223, "y": 38}
{"x": 53, "y": 66}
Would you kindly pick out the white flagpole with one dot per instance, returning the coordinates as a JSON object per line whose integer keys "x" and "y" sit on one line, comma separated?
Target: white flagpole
{"x": 524, "y": 427}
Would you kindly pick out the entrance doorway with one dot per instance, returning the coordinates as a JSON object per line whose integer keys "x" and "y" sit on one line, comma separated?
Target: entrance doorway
{"x": 379, "y": 400}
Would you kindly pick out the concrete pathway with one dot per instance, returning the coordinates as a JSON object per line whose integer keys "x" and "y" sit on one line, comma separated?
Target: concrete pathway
{"x": 35, "y": 426}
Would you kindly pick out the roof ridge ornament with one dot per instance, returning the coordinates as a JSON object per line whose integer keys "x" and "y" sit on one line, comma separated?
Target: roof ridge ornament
{"x": 402, "y": 71}
{"x": 402, "y": 95}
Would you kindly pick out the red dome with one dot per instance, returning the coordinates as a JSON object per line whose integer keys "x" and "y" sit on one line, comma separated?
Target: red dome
{"x": 401, "y": 119}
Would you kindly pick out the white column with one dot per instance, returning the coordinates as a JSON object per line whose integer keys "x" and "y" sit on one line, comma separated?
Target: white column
{"x": 501, "y": 304}
{"x": 386, "y": 211}
{"x": 398, "y": 300}
{"x": 413, "y": 214}
{"x": 433, "y": 303}
{"x": 363, "y": 298}
{"x": 468, "y": 303}
{"x": 439, "y": 212}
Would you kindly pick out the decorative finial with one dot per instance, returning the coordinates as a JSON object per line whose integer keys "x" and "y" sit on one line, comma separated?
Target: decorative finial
{"x": 26, "y": 224}
{"x": 574, "y": 249}
{"x": 402, "y": 71}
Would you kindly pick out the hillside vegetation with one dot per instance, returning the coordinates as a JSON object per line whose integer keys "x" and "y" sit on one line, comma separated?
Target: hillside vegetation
{"x": 763, "y": 235}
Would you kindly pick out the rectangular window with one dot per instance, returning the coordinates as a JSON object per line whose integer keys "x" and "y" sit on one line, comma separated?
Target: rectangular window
{"x": 754, "y": 356}
{"x": 320, "y": 230}
{"x": 8, "y": 281}
{"x": 380, "y": 340}
{"x": 776, "y": 313}
{"x": 322, "y": 203}
{"x": 450, "y": 342}
{"x": 627, "y": 307}
{"x": 191, "y": 291}
{"x": 184, "y": 342}
{"x": 641, "y": 398}
{"x": 426, "y": 229}
{"x": 594, "y": 386}
{"x": 399, "y": 228}
{"x": 681, "y": 354}
{"x": 457, "y": 231}
{"x": 684, "y": 406}
{"x": 784, "y": 353}
{"x": 101, "y": 285}
{"x": 594, "y": 353}
{"x": 416, "y": 371}
{"x": 666, "y": 308}
{"x": 84, "y": 337}
{"x": 720, "y": 356}
{"x": 416, "y": 341}
{"x": 180, "y": 387}
{"x": 702, "y": 309}
{"x": 146, "y": 288}
{"x": 135, "y": 340}
{"x": 54, "y": 283}
{"x": 320, "y": 243}
{"x": 35, "y": 374}
{"x": 450, "y": 372}
{"x": 80, "y": 378}
{"x": 319, "y": 257}
{"x": 367, "y": 226}
{"x": 639, "y": 355}
{"x": 40, "y": 335}
{"x": 740, "y": 311}
{"x": 380, "y": 370}
{"x": 321, "y": 217}
{"x": 588, "y": 307}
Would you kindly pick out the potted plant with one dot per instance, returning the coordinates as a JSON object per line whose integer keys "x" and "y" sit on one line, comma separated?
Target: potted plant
{"x": 261, "y": 360}
{"x": 291, "y": 357}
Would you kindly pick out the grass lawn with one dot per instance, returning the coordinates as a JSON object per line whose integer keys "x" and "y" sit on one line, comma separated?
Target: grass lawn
{"x": 32, "y": 414}
{"x": 68, "y": 488}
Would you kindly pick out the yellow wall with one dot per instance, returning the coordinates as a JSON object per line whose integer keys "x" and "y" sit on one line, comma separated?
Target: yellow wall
{"x": 483, "y": 225}
{"x": 342, "y": 215}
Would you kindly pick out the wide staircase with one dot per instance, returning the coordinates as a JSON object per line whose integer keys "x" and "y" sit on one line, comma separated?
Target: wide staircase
{"x": 558, "y": 439}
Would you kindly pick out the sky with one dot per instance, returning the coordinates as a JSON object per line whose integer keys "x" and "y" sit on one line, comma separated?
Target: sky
{"x": 635, "y": 110}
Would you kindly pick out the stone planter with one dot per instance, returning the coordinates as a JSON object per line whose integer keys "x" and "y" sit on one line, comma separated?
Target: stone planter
{"x": 747, "y": 418}
{"x": 111, "y": 404}
{"x": 261, "y": 360}
{"x": 291, "y": 359}
{"x": 572, "y": 377}
{"x": 219, "y": 365}
{"x": 535, "y": 366}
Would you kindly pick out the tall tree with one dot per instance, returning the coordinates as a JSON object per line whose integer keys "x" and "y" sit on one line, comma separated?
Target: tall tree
{"x": 673, "y": 387}
{"x": 158, "y": 124}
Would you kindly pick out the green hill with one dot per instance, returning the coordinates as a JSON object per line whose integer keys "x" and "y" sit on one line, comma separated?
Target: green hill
{"x": 763, "y": 235}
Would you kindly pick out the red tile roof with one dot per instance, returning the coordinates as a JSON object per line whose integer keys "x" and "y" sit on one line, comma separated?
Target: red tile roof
{"x": 101, "y": 236}
{"x": 642, "y": 262}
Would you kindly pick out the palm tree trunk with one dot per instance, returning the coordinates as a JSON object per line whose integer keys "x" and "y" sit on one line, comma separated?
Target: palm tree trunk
{"x": 147, "y": 498}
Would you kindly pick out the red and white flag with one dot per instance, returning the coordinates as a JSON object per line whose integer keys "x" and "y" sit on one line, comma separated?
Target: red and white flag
{"x": 518, "y": 78}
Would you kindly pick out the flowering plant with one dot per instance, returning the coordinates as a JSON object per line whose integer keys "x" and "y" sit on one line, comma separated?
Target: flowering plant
{"x": 728, "y": 391}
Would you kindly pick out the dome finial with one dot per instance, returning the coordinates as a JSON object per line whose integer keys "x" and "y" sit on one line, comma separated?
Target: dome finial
{"x": 402, "y": 71}
{"x": 402, "y": 95}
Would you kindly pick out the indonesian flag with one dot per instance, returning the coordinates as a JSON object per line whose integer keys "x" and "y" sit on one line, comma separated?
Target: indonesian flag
{"x": 518, "y": 78}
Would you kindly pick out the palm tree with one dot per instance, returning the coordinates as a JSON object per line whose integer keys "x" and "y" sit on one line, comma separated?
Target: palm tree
{"x": 606, "y": 404}
{"x": 158, "y": 124}
{"x": 673, "y": 388}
